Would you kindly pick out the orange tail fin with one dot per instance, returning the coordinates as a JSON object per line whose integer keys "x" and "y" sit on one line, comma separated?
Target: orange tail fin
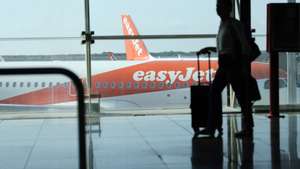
{"x": 135, "y": 48}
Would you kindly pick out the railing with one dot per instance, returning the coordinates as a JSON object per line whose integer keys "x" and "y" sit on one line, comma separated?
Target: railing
{"x": 80, "y": 99}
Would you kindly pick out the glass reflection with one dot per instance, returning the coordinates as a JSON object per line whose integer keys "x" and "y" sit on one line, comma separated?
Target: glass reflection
{"x": 207, "y": 152}
{"x": 294, "y": 161}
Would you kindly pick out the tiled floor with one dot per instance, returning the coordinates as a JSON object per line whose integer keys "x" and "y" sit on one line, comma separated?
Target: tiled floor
{"x": 150, "y": 142}
{"x": 166, "y": 142}
{"x": 39, "y": 144}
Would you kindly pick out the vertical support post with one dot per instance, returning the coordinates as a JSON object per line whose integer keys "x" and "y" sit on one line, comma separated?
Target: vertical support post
{"x": 88, "y": 42}
{"x": 291, "y": 71}
{"x": 245, "y": 17}
{"x": 274, "y": 87}
{"x": 275, "y": 143}
{"x": 88, "y": 51}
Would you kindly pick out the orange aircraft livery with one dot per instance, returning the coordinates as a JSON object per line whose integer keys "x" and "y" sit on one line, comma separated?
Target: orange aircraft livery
{"x": 139, "y": 74}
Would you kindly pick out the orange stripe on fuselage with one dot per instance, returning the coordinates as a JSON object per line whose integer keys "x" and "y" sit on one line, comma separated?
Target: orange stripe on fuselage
{"x": 149, "y": 76}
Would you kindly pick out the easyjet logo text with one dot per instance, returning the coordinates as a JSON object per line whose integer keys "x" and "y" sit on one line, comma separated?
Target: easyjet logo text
{"x": 135, "y": 42}
{"x": 169, "y": 77}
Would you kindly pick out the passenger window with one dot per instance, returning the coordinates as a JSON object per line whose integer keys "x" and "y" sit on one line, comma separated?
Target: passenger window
{"x": 121, "y": 85}
{"x": 105, "y": 85}
{"x": 7, "y": 84}
{"x": 43, "y": 84}
{"x": 152, "y": 85}
{"x": 161, "y": 84}
{"x": 66, "y": 84}
{"x": 186, "y": 84}
{"x": 36, "y": 84}
{"x": 0, "y": 84}
{"x": 144, "y": 85}
{"x": 14, "y": 84}
{"x": 98, "y": 85}
{"x": 50, "y": 84}
{"x": 21, "y": 84}
{"x": 113, "y": 85}
{"x": 57, "y": 83}
{"x": 128, "y": 86}
{"x": 177, "y": 84}
{"x": 136, "y": 85}
{"x": 28, "y": 84}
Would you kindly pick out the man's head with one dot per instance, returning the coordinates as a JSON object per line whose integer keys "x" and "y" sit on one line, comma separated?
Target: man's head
{"x": 224, "y": 8}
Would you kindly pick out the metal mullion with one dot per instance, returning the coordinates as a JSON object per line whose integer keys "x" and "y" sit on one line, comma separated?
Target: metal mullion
{"x": 176, "y": 36}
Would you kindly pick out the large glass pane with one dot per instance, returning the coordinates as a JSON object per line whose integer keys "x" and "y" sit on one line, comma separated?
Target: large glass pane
{"x": 38, "y": 113}
{"x": 155, "y": 17}
{"x": 38, "y": 122}
{"x": 36, "y": 27}
{"x": 288, "y": 62}
{"x": 160, "y": 81}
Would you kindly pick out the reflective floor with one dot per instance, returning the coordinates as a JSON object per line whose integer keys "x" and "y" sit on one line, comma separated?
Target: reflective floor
{"x": 166, "y": 142}
{"x": 39, "y": 144}
{"x": 146, "y": 142}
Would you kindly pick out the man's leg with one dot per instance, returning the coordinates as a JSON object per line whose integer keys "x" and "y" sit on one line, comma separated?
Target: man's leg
{"x": 219, "y": 83}
{"x": 240, "y": 86}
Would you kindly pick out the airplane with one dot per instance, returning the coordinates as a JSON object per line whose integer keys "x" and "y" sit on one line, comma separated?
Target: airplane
{"x": 141, "y": 81}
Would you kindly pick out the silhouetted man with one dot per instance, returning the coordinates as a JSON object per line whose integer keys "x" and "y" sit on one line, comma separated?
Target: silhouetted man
{"x": 234, "y": 68}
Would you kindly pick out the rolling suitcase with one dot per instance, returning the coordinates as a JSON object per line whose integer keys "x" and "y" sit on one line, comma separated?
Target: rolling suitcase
{"x": 200, "y": 97}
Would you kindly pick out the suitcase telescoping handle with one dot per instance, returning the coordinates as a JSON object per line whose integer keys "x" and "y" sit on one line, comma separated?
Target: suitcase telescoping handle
{"x": 206, "y": 50}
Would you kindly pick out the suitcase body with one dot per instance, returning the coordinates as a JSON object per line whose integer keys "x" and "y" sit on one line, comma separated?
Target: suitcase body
{"x": 199, "y": 106}
{"x": 200, "y": 96}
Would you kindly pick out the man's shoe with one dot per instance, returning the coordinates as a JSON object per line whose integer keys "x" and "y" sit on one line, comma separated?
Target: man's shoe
{"x": 244, "y": 134}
